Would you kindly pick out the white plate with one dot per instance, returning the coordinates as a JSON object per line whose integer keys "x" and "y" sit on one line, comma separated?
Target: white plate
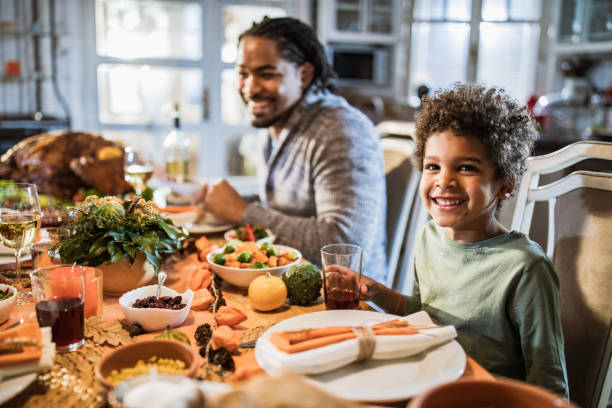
{"x": 374, "y": 380}
{"x": 206, "y": 228}
{"x": 230, "y": 235}
{"x": 10, "y": 387}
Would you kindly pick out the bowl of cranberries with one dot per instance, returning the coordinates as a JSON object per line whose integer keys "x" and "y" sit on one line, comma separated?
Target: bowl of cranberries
{"x": 142, "y": 306}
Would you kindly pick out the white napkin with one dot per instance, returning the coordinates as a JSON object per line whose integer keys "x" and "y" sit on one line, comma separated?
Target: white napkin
{"x": 336, "y": 355}
{"x": 45, "y": 362}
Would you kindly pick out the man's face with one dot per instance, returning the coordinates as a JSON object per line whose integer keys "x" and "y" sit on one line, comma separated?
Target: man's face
{"x": 269, "y": 85}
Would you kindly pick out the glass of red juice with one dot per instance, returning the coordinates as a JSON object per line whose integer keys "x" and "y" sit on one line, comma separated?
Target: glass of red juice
{"x": 341, "y": 284}
{"x": 59, "y": 294}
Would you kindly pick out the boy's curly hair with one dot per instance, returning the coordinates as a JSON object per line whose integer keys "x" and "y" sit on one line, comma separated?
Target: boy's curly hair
{"x": 501, "y": 123}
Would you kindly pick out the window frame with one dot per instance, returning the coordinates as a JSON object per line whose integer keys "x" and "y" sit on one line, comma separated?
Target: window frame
{"x": 474, "y": 22}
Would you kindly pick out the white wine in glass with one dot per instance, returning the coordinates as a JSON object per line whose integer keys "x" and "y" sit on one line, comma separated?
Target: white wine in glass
{"x": 19, "y": 224}
{"x": 137, "y": 170}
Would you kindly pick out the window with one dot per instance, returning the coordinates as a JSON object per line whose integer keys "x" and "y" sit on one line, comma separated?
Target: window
{"x": 449, "y": 45}
{"x": 150, "y": 54}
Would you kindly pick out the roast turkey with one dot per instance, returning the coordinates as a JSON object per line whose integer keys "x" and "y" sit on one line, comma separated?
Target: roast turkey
{"x": 61, "y": 163}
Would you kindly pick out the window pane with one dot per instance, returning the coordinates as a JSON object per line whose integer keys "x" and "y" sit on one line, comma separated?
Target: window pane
{"x": 459, "y": 10}
{"x": 572, "y": 15}
{"x": 149, "y": 29}
{"x": 233, "y": 111}
{"x": 600, "y": 27}
{"x": 380, "y": 16}
{"x": 525, "y": 9}
{"x": 494, "y": 10}
{"x": 429, "y": 10}
{"x": 348, "y": 20}
{"x": 237, "y": 19}
{"x": 439, "y": 54}
{"x": 512, "y": 66}
{"x": 140, "y": 94}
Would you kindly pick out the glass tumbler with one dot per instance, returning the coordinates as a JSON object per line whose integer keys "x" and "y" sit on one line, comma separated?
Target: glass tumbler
{"x": 59, "y": 294}
{"x": 341, "y": 288}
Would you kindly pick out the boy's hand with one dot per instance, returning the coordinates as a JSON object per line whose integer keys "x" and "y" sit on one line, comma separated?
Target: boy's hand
{"x": 368, "y": 286}
{"x": 389, "y": 300}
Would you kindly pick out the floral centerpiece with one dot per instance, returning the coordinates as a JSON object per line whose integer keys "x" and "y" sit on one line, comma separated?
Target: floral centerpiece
{"x": 107, "y": 231}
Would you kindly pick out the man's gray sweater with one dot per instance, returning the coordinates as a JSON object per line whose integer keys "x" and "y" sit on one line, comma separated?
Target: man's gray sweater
{"x": 323, "y": 182}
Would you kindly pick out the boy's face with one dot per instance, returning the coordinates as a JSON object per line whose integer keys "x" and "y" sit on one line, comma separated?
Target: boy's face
{"x": 459, "y": 187}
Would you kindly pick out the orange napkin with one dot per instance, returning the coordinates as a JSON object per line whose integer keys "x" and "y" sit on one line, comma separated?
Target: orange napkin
{"x": 29, "y": 353}
{"x": 302, "y": 340}
{"x": 177, "y": 209}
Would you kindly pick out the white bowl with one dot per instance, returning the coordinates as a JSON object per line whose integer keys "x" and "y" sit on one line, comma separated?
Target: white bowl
{"x": 242, "y": 277}
{"x": 6, "y": 305}
{"x": 230, "y": 235}
{"x": 154, "y": 319}
{"x": 182, "y": 218}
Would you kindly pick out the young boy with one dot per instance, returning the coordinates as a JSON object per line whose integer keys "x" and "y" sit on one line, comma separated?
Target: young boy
{"x": 496, "y": 287}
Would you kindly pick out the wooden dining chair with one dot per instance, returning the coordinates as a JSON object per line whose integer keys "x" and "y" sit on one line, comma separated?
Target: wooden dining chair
{"x": 402, "y": 181}
{"x": 578, "y": 243}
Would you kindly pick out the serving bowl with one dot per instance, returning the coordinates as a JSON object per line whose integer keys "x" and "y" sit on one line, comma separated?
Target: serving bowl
{"x": 128, "y": 355}
{"x": 482, "y": 393}
{"x": 242, "y": 277}
{"x": 6, "y": 305}
{"x": 154, "y": 318}
{"x": 230, "y": 235}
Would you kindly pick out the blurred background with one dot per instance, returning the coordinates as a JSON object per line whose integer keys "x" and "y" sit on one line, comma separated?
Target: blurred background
{"x": 119, "y": 67}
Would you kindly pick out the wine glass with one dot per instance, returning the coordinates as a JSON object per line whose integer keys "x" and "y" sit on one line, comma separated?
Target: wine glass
{"x": 19, "y": 224}
{"x": 137, "y": 169}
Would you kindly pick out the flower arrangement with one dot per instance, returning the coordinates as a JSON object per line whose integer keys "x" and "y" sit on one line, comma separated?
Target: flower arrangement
{"x": 109, "y": 229}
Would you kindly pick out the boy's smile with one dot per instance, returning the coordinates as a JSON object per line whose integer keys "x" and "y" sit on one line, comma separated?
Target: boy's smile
{"x": 460, "y": 188}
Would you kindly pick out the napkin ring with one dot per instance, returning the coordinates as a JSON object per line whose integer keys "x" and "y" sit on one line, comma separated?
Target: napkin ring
{"x": 366, "y": 339}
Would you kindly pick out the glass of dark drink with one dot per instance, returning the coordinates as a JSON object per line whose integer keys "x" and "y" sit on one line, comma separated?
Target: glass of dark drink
{"x": 59, "y": 294}
{"x": 341, "y": 287}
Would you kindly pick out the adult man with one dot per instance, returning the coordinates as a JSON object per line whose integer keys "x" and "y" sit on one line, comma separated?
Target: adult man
{"x": 323, "y": 178}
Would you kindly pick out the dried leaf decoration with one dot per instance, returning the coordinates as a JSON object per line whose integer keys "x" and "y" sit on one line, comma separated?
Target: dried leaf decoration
{"x": 106, "y": 332}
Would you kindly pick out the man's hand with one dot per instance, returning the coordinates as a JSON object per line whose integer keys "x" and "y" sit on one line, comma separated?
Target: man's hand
{"x": 223, "y": 201}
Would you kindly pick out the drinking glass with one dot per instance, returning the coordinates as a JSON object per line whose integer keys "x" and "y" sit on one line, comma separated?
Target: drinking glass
{"x": 19, "y": 224}
{"x": 59, "y": 294}
{"x": 137, "y": 169}
{"x": 341, "y": 289}
{"x": 42, "y": 248}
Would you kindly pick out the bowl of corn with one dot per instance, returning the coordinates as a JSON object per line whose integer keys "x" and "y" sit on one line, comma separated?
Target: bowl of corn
{"x": 164, "y": 356}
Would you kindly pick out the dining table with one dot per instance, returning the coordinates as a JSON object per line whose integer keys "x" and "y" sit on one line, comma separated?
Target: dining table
{"x": 71, "y": 381}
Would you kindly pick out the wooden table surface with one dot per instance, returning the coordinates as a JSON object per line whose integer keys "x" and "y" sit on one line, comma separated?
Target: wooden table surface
{"x": 42, "y": 394}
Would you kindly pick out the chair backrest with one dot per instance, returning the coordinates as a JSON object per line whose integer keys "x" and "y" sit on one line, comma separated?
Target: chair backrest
{"x": 402, "y": 185}
{"x": 578, "y": 243}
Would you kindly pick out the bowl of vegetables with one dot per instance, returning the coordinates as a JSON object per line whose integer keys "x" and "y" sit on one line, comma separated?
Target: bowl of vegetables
{"x": 8, "y": 296}
{"x": 250, "y": 233}
{"x": 240, "y": 262}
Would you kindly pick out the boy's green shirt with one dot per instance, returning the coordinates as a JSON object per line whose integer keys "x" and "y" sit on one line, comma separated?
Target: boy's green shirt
{"x": 502, "y": 296}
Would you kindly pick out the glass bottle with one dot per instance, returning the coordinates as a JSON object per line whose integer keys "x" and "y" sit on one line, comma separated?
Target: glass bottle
{"x": 176, "y": 150}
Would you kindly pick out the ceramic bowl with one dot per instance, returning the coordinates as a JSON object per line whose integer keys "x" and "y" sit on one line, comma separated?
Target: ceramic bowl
{"x": 154, "y": 319}
{"x": 480, "y": 393}
{"x": 128, "y": 355}
{"x": 230, "y": 235}
{"x": 242, "y": 277}
{"x": 6, "y": 305}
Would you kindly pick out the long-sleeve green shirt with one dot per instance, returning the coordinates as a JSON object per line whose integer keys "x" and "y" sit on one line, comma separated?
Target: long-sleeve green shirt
{"x": 502, "y": 296}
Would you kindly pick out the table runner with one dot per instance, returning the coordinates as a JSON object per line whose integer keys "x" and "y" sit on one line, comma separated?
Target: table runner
{"x": 71, "y": 382}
